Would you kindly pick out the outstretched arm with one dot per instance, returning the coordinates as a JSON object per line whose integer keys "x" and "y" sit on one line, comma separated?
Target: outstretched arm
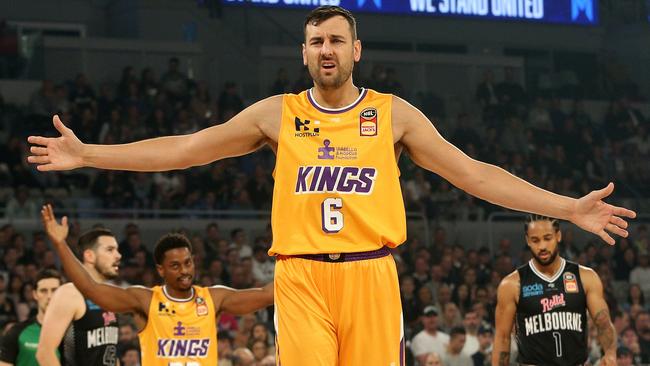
{"x": 507, "y": 295}
{"x": 244, "y": 133}
{"x": 599, "y": 311}
{"x": 108, "y": 297}
{"x": 239, "y": 302}
{"x": 431, "y": 151}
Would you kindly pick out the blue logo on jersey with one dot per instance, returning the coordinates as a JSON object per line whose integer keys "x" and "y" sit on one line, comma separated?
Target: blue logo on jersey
{"x": 377, "y": 3}
{"x": 91, "y": 305}
{"x": 585, "y": 7}
{"x": 535, "y": 289}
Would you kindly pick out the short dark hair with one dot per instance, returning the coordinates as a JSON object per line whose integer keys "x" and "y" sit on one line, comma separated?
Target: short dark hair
{"x": 322, "y": 13}
{"x": 45, "y": 274}
{"x": 455, "y": 331}
{"x": 88, "y": 240}
{"x": 169, "y": 242}
{"x": 533, "y": 218}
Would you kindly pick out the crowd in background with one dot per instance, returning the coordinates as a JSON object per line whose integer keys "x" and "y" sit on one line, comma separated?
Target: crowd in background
{"x": 448, "y": 291}
{"x": 528, "y": 134}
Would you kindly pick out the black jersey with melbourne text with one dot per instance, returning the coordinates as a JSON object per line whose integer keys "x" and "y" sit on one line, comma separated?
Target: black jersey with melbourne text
{"x": 551, "y": 319}
{"x": 91, "y": 339}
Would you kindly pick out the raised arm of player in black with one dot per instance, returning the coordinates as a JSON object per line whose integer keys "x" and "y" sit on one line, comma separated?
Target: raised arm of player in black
{"x": 130, "y": 300}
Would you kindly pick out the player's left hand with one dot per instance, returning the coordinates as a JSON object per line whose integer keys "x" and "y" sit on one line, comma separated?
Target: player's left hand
{"x": 592, "y": 214}
{"x": 57, "y": 232}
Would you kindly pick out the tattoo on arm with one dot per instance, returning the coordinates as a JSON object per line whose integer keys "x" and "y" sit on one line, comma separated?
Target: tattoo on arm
{"x": 606, "y": 333}
{"x": 504, "y": 359}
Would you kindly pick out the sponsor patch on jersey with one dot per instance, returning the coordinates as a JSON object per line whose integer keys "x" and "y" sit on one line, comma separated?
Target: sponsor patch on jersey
{"x": 570, "y": 283}
{"x": 550, "y": 303}
{"x": 535, "y": 289}
{"x": 201, "y": 306}
{"x": 368, "y": 122}
{"x": 109, "y": 317}
{"x": 164, "y": 308}
{"x": 328, "y": 152}
{"x": 305, "y": 128}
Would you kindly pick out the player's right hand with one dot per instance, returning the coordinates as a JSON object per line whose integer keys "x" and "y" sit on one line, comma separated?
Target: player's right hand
{"x": 55, "y": 231}
{"x": 56, "y": 153}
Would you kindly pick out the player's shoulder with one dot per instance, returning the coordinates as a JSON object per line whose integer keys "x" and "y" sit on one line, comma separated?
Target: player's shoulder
{"x": 510, "y": 283}
{"x": 69, "y": 291}
{"x": 588, "y": 276}
{"x": 67, "y": 298}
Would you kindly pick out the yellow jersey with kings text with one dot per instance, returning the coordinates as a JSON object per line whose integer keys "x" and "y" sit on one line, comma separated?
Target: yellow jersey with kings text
{"x": 180, "y": 332}
{"x": 337, "y": 184}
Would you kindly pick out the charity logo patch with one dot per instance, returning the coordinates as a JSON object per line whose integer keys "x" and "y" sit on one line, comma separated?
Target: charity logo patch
{"x": 328, "y": 152}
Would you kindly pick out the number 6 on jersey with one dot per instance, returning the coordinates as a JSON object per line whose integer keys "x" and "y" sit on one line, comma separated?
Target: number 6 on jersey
{"x": 331, "y": 217}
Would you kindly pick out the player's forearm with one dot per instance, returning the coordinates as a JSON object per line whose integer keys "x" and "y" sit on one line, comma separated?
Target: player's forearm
{"x": 606, "y": 333}
{"x": 152, "y": 155}
{"x": 501, "y": 351}
{"x": 497, "y": 186}
{"x": 240, "y": 302}
{"x": 47, "y": 357}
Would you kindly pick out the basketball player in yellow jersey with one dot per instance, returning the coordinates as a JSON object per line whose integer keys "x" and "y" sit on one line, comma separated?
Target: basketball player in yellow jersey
{"x": 177, "y": 321}
{"x": 337, "y": 202}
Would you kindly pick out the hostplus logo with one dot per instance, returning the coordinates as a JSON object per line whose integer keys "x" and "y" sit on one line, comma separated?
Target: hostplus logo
{"x": 306, "y": 128}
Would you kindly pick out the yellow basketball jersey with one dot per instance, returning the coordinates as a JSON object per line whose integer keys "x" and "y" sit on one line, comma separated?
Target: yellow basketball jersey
{"x": 337, "y": 184}
{"x": 180, "y": 333}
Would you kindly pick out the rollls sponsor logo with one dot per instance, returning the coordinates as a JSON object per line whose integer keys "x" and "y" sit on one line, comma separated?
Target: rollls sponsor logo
{"x": 549, "y": 304}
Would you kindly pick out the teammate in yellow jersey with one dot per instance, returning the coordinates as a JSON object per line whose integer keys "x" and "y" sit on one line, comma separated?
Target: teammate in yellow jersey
{"x": 177, "y": 321}
{"x": 336, "y": 204}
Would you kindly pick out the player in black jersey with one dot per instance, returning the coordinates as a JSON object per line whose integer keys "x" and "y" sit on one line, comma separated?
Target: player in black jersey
{"x": 547, "y": 300}
{"x": 84, "y": 333}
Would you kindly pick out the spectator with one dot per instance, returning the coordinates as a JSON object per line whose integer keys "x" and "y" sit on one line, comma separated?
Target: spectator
{"x": 454, "y": 355}
{"x": 641, "y": 274}
{"x": 429, "y": 339}
{"x": 484, "y": 353}
{"x": 174, "y": 82}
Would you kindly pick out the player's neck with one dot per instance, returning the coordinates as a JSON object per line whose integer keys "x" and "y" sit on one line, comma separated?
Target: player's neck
{"x": 94, "y": 273}
{"x": 179, "y": 295}
{"x": 550, "y": 269}
{"x": 39, "y": 316}
{"x": 339, "y": 97}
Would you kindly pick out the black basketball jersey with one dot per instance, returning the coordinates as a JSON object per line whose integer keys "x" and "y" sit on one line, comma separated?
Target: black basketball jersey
{"x": 551, "y": 319}
{"x": 92, "y": 339}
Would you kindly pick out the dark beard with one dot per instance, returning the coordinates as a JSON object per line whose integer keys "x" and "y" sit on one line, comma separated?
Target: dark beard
{"x": 335, "y": 83}
{"x": 550, "y": 259}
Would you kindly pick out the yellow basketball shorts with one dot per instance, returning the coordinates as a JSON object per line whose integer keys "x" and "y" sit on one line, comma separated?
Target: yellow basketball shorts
{"x": 338, "y": 310}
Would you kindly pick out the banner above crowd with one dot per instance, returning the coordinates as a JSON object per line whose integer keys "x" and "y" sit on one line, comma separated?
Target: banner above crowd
{"x": 582, "y": 12}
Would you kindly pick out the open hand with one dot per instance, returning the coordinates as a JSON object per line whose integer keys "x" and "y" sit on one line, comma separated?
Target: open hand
{"x": 55, "y": 231}
{"x": 56, "y": 153}
{"x": 592, "y": 214}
